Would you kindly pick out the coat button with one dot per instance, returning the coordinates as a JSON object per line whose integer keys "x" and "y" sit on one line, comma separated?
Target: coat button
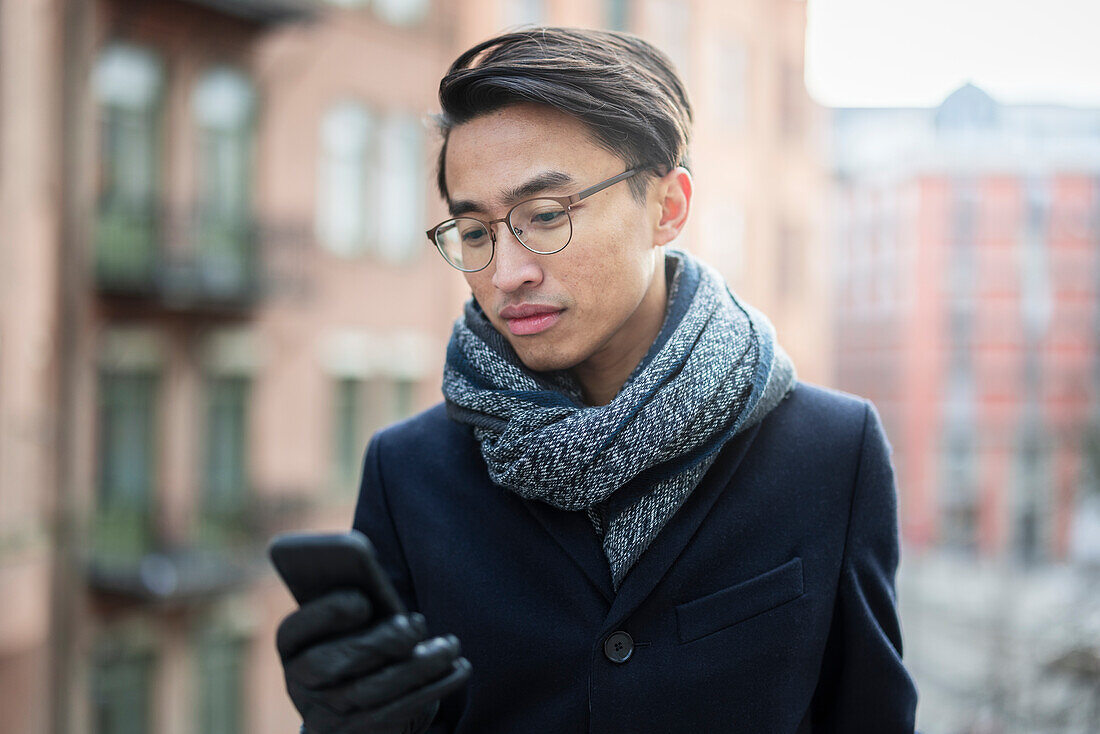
{"x": 618, "y": 647}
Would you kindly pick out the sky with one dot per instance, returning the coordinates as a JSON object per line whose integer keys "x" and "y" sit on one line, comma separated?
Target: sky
{"x": 888, "y": 53}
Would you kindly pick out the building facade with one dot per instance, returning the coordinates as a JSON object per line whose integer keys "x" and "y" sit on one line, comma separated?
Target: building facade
{"x": 968, "y": 308}
{"x": 214, "y": 286}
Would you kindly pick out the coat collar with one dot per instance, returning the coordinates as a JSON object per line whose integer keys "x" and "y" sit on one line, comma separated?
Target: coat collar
{"x": 574, "y": 533}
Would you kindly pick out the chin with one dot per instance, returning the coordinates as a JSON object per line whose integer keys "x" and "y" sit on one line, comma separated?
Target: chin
{"x": 544, "y": 360}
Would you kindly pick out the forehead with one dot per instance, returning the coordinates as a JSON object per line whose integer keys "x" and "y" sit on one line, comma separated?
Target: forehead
{"x": 505, "y": 148}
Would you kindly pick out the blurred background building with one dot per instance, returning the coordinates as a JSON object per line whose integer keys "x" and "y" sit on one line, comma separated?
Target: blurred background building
{"x": 967, "y": 248}
{"x": 214, "y": 287}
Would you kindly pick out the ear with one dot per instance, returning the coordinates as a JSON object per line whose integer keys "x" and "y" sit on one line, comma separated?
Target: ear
{"x": 673, "y": 193}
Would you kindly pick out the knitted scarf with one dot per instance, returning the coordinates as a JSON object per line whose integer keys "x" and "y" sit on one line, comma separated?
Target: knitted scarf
{"x": 714, "y": 370}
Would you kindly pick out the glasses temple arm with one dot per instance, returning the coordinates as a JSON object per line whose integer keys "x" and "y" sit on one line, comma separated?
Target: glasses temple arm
{"x": 601, "y": 186}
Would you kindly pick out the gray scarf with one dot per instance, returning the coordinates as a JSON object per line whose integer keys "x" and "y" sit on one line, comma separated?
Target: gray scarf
{"x": 714, "y": 370}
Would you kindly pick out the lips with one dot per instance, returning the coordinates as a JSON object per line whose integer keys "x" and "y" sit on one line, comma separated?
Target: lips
{"x": 530, "y": 318}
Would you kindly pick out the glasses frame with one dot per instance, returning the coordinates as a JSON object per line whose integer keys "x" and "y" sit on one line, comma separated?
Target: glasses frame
{"x": 566, "y": 202}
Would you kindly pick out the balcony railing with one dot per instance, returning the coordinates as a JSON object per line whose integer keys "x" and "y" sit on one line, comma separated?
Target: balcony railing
{"x": 212, "y": 265}
{"x": 131, "y": 560}
{"x": 266, "y": 12}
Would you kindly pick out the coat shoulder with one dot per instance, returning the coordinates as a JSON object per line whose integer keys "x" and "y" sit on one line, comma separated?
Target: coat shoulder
{"x": 821, "y": 418}
{"x": 428, "y": 436}
{"x": 817, "y": 402}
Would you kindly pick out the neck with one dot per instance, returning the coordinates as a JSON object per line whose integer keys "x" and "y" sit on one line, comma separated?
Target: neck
{"x": 602, "y": 375}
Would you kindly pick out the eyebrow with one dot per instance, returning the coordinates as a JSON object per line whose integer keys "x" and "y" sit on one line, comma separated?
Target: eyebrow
{"x": 541, "y": 182}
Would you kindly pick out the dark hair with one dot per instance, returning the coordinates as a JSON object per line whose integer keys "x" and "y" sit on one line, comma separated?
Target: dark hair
{"x": 622, "y": 88}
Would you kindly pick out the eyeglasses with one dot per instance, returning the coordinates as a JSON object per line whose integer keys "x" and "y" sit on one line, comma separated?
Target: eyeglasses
{"x": 542, "y": 225}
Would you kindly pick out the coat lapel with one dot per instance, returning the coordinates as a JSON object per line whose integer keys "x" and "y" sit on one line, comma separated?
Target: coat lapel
{"x": 574, "y": 533}
{"x": 671, "y": 540}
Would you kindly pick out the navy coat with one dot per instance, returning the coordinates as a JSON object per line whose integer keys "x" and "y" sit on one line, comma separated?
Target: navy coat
{"x": 765, "y": 605}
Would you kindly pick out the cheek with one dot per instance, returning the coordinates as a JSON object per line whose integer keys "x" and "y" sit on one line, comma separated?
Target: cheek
{"x": 616, "y": 272}
{"x": 481, "y": 288}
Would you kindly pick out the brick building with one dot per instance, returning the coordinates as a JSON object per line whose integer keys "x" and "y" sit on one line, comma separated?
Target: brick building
{"x": 214, "y": 286}
{"x": 968, "y": 308}
{"x": 969, "y": 278}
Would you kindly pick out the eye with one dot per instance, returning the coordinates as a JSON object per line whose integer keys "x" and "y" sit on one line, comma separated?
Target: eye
{"x": 473, "y": 237}
{"x": 547, "y": 217}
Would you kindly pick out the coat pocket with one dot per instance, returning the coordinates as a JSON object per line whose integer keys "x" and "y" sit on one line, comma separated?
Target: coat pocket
{"x": 737, "y": 603}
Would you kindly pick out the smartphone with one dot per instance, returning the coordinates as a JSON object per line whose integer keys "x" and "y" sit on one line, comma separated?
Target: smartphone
{"x": 313, "y": 564}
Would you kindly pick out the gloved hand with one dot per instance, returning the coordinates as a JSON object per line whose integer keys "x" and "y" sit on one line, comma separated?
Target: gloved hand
{"x": 347, "y": 672}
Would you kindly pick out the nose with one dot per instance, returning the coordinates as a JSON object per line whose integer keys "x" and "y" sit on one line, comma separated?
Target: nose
{"x": 514, "y": 266}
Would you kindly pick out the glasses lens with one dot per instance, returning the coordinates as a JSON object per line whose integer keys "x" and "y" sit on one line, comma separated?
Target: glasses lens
{"x": 543, "y": 225}
{"x": 465, "y": 243}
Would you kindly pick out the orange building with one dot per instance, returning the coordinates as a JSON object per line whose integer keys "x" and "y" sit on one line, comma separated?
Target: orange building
{"x": 969, "y": 310}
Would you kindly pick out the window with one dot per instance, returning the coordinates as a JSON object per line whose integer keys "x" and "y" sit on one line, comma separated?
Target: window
{"x": 373, "y": 381}
{"x": 389, "y": 399}
{"x": 368, "y": 169}
{"x": 127, "y": 436}
{"x": 617, "y": 14}
{"x": 223, "y": 106}
{"x": 363, "y": 405}
{"x": 127, "y": 82}
{"x": 964, "y": 214}
{"x": 121, "y": 692}
{"x": 962, "y": 269}
{"x": 670, "y": 23}
{"x": 345, "y": 203}
{"x": 401, "y": 12}
{"x": 522, "y": 12}
{"x": 349, "y": 430}
{"x": 402, "y": 188}
{"x": 348, "y": 357}
{"x": 403, "y": 391}
{"x": 959, "y": 475}
{"x": 226, "y": 476}
{"x": 1036, "y": 297}
{"x": 1034, "y": 484}
{"x": 731, "y": 84}
{"x": 1085, "y": 525}
{"x": 220, "y": 673}
{"x": 858, "y": 264}
{"x": 885, "y": 268}
{"x": 959, "y": 506}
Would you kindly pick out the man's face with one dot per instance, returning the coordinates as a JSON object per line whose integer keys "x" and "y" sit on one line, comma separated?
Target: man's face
{"x": 596, "y": 304}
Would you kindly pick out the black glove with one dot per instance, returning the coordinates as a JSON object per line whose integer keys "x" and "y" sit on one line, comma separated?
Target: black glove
{"x": 347, "y": 672}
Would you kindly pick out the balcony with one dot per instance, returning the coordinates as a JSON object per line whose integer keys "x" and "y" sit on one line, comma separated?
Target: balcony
{"x": 132, "y": 562}
{"x": 171, "y": 576}
{"x": 263, "y": 12}
{"x": 213, "y": 267}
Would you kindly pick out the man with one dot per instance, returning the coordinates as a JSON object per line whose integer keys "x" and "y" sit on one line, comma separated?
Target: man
{"x": 628, "y": 510}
